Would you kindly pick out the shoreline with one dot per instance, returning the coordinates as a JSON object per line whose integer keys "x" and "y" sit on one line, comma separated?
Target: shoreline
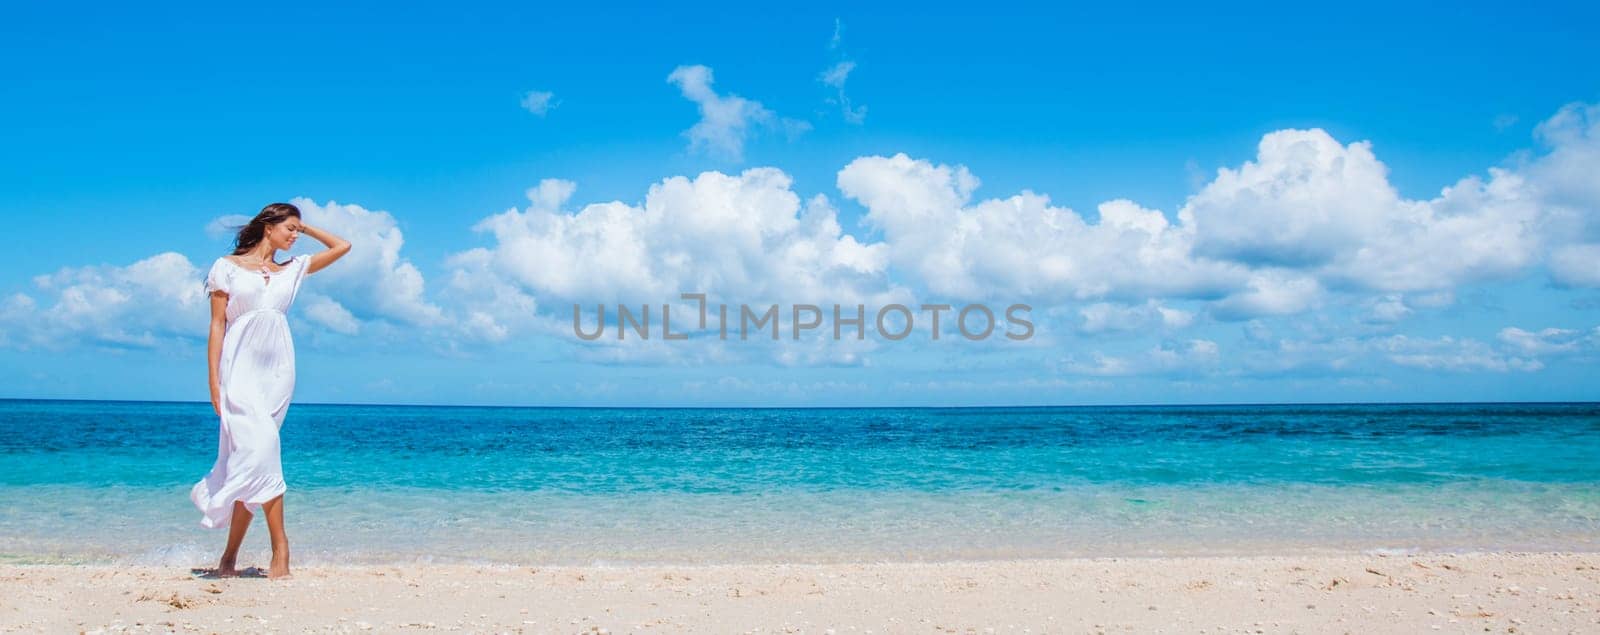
{"x": 1508, "y": 591}
{"x": 255, "y": 548}
{"x": 455, "y": 561}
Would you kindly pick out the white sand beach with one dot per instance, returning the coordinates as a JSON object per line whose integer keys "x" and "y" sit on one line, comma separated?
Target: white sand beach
{"x": 1453, "y": 593}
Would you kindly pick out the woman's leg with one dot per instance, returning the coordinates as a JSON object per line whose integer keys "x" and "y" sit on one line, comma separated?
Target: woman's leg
{"x": 236, "y": 528}
{"x": 280, "y": 541}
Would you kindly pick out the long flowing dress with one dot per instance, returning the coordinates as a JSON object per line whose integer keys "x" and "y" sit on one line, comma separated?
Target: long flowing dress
{"x": 256, "y": 381}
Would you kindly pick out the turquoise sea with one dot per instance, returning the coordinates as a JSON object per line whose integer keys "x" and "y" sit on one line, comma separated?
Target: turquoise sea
{"x": 96, "y": 481}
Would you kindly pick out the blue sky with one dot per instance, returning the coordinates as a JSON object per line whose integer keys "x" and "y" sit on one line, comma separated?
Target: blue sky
{"x": 130, "y": 131}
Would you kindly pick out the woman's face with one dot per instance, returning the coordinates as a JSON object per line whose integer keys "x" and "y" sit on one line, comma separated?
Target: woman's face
{"x": 282, "y": 235}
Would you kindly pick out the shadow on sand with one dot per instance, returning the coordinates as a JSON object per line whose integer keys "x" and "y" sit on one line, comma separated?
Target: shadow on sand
{"x": 211, "y": 573}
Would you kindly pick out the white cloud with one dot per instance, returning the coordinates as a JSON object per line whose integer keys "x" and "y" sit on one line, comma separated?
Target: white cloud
{"x": 159, "y": 301}
{"x": 726, "y": 121}
{"x": 1108, "y": 317}
{"x": 483, "y": 326}
{"x": 1548, "y": 341}
{"x": 1512, "y": 350}
{"x": 1022, "y": 246}
{"x": 1302, "y": 201}
{"x": 1576, "y": 265}
{"x": 1387, "y": 309}
{"x": 836, "y": 75}
{"x": 1167, "y": 358}
{"x": 550, "y": 194}
{"x": 155, "y": 301}
{"x": 374, "y": 280}
{"x": 538, "y": 102}
{"x": 328, "y": 313}
{"x": 1308, "y": 223}
{"x": 1452, "y": 354}
{"x": 1308, "y": 216}
{"x": 1308, "y": 203}
{"x": 1564, "y": 180}
{"x": 1434, "y": 300}
{"x": 1270, "y": 292}
{"x": 1565, "y": 175}
{"x": 493, "y": 304}
{"x": 746, "y": 238}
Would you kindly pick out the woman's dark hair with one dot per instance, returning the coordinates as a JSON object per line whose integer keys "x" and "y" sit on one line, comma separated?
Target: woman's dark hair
{"x": 251, "y": 234}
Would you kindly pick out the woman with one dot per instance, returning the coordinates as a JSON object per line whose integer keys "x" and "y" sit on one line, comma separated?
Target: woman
{"x": 251, "y": 358}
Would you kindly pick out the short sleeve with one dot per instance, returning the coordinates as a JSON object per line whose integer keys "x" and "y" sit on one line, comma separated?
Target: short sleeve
{"x": 219, "y": 278}
{"x": 305, "y": 265}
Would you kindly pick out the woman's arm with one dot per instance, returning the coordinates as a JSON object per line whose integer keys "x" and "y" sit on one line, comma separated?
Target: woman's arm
{"x": 337, "y": 248}
{"x": 219, "y": 326}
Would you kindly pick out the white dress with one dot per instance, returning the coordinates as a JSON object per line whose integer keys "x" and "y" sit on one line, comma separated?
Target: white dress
{"x": 256, "y": 380}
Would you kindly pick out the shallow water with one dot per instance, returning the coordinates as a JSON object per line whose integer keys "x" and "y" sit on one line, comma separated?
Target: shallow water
{"x": 108, "y": 481}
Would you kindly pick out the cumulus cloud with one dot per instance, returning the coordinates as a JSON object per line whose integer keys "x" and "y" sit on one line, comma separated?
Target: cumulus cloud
{"x": 1271, "y": 291}
{"x": 148, "y": 304}
{"x": 1565, "y": 182}
{"x": 746, "y": 238}
{"x": 1576, "y": 265}
{"x": 329, "y": 314}
{"x": 1308, "y": 216}
{"x": 1311, "y": 204}
{"x": 1565, "y": 174}
{"x": 726, "y": 121}
{"x": 1314, "y": 205}
{"x": 1308, "y": 223}
{"x": 159, "y": 301}
{"x": 1303, "y": 200}
{"x": 372, "y": 282}
{"x": 539, "y": 102}
{"x": 1023, "y": 246}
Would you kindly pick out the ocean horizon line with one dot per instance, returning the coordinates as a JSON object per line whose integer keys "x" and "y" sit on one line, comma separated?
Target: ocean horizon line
{"x": 1172, "y": 405}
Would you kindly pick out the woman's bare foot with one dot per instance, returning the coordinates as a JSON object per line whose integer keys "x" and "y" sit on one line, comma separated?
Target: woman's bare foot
{"x": 279, "y": 569}
{"x": 225, "y": 569}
